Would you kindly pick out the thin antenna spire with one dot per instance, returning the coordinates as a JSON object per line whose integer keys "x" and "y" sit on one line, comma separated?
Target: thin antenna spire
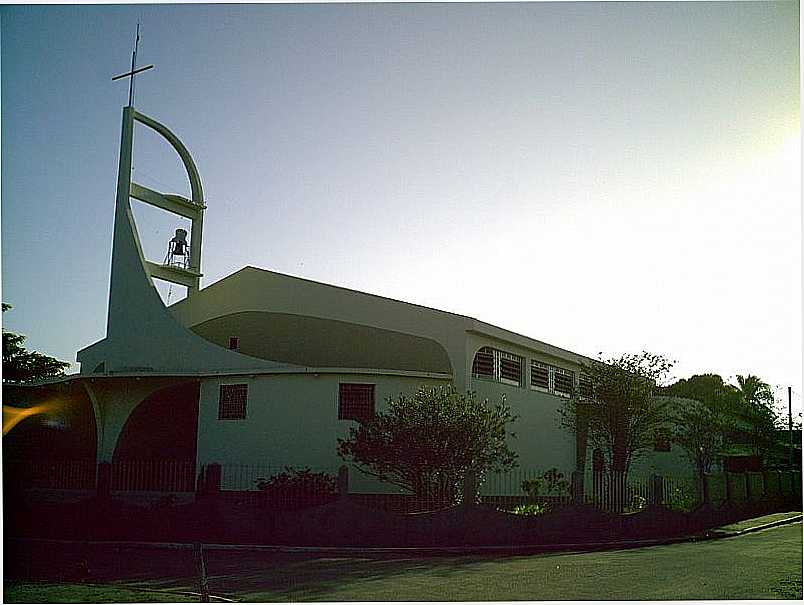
{"x": 133, "y": 67}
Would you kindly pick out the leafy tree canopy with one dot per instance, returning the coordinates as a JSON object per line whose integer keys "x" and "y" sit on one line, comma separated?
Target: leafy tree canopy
{"x": 21, "y": 364}
{"x": 744, "y": 413}
{"x": 709, "y": 389}
{"x": 427, "y": 442}
{"x": 701, "y": 431}
{"x": 622, "y": 412}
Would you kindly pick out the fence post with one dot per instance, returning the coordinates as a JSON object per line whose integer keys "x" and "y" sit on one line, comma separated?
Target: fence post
{"x": 469, "y": 488}
{"x": 211, "y": 479}
{"x": 727, "y": 485}
{"x": 343, "y": 481}
{"x": 747, "y": 487}
{"x": 103, "y": 488}
{"x": 577, "y": 486}
{"x": 656, "y": 490}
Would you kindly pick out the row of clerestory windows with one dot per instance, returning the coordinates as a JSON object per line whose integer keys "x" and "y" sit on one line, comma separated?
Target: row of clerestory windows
{"x": 508, "y": 368}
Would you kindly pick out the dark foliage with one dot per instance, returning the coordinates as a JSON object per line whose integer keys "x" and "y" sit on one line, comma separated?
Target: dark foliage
{"x": 426, "y": 443}
{"x": 19, "y": 364}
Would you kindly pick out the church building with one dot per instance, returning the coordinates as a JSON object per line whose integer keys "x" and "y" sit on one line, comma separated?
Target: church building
{"x": 265, "y": 368}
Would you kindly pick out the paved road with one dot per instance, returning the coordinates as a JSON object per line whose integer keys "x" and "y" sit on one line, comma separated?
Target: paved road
{"x": 762, "y": 565}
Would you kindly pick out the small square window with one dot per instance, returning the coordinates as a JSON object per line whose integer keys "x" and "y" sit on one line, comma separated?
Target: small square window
{"x": 234, "y": 343}
{"x": 355, "y": 401}
{"x": 232, "y": 402}
{"x": 661, "y": 441}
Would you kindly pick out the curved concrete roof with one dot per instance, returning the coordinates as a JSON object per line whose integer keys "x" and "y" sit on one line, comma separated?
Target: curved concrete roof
{"x": 315, "y": 341}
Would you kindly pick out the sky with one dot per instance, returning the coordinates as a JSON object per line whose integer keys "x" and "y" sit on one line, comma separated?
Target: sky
{"x": 605, "y": 177}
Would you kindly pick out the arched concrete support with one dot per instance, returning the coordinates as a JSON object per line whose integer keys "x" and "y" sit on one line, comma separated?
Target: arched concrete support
{"x": 97, "y": 410}
{"x": 116, "y": 399}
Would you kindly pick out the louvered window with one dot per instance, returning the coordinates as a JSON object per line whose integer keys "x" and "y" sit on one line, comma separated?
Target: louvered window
{"x": 232, "y": 401}
{"x": 585, "y": 385}
{"x": 510, "y": 368}
{"x": 563, "y": 382}
{"x": 498, "y": 365}
{"x": 484, "y": 363}
{"x": 539, "y": 376}
{"x": 551, "y": 379}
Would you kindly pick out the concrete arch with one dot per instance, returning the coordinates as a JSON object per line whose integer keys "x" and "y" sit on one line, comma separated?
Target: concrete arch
{"x": 163, "y": 426}
{"x": 192, "y": 172}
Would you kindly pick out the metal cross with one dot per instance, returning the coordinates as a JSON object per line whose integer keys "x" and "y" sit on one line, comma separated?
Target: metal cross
{"x": 133, "y": 71}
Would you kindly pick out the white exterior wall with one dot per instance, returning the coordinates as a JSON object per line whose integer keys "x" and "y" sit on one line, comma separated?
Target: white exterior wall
{"x": 291, "y": 420}
{"x": 540, "y": 442}
{"x": 668, "y": 464}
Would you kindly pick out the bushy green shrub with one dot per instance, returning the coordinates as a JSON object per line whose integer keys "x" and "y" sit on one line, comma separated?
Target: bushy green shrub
{"x": 549, "y": 483}
{"x": 530, "y": 509}
{"x": 298, "y": 488}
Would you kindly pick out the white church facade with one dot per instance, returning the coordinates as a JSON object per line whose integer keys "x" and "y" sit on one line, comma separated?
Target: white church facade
{"x": 265, "y": 368}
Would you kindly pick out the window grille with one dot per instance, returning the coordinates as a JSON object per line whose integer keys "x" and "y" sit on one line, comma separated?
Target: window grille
{"x": 563, "y": 382}
{"x": 483, "y": 364}
{"x": 232, "y": 401}
{"x": 510, "y": 368}
{"x": 355, "y": 401}
{"x": 498, "y": 365}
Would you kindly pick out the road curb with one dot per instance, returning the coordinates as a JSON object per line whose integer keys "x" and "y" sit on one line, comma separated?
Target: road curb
{"x": 712, "y": 534}
{"x": 748, "y": 530}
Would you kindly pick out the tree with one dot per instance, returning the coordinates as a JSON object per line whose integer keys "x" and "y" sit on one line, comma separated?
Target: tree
{"x": 426, "y": 443}
{"x": 21, "y": 364}
{"x": 622, "y": 413}
{"x": 759, "y": 419}
{"x": 703, "y": 421}
{"x": 709, "y": 389}
{"x": 701, "y": 431}
{"x": 741, "y": 414}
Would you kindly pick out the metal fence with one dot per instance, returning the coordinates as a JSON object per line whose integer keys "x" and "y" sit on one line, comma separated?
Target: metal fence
{"x": 285, "y": 487}
{"x": 153, "y": 475}
{"x": 620, "y": 492}
{"x": 50, "y": 474}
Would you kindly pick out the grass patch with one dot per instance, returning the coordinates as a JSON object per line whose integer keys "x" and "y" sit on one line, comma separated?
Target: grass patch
{"x": 748, "y": 523}
{"x": 24, "y": 592}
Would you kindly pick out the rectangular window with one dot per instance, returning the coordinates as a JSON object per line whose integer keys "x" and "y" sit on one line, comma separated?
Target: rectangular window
{"x": 563, "y": 382}
{"x": 232, "y": 401}
{"x": 498, "y": 365}
{"x": 234, "y": 343}
{"x": 355, "y": 401}
{"x": 539, "y": 375}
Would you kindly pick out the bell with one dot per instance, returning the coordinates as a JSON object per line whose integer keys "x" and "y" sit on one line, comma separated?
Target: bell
{"x": 178, "y": 244}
